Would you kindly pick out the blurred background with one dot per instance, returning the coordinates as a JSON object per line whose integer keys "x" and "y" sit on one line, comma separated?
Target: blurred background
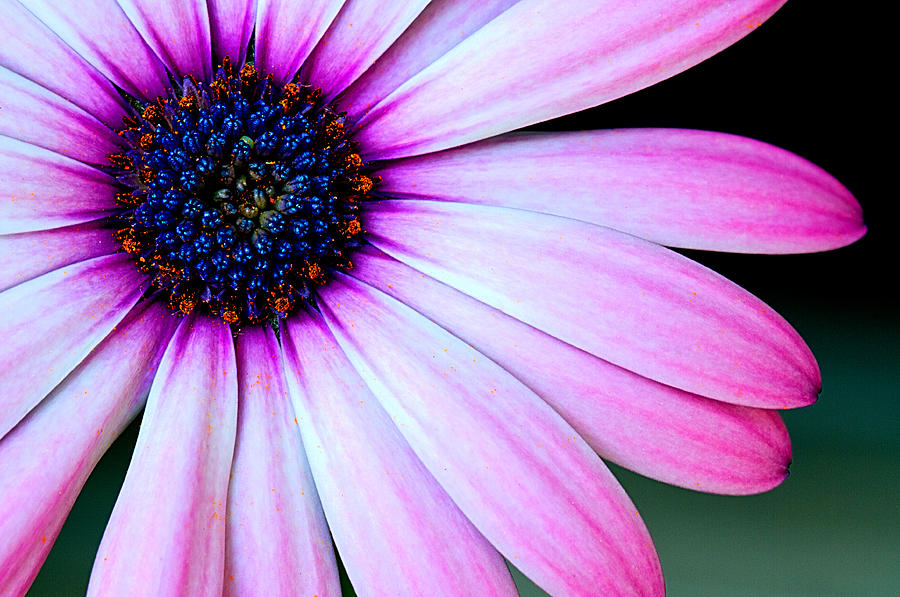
{"x": 804, "y": 81}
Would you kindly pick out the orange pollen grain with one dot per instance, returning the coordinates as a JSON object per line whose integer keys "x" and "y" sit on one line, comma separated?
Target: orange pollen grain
{"x": 290, "y": 96}
{"x": 187, "y": 102}
{"x": 146, "y": 141}
{"x": 248, "y": 75}
{"x": 219, "y": 88}
{"x": 121, "y": 161}
{"x": 282, "y": 304}
{"x": 353, "y": 228}
{"x": 152, "y": 113}
{"x": 362, "y": 184}
{"x": 186, "y": 305}
{"x": 145, "y": 176}
{"x": 126, "y": 199}
{"x": 334, "y": 129}
{"x": 131, "y": 245}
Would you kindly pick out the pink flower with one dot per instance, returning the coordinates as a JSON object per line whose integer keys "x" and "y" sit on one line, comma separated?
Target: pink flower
{"x": 372, "y": 313}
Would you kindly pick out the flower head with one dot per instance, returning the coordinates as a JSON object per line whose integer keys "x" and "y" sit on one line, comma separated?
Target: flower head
{"x": 356, "y": 308}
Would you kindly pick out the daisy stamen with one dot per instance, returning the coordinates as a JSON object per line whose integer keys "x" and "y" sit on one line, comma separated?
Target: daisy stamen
{"x": 235, "y": 183}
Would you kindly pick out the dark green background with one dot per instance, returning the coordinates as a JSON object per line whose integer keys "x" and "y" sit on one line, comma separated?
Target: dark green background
{"x": 808, "y": 80}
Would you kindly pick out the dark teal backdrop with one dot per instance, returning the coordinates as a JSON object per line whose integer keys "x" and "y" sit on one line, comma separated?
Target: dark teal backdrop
{"x": 807, "y": 80}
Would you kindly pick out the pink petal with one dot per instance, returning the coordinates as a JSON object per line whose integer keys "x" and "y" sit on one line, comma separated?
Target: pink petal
{"x": 166, "y": 534}
{"x": 287, "y": 31}
{"x": 623, "y": 299}
{"x": 28, "y": 255}
{"x": 520, "y": 473}
{"x": 51, "y": 323}
{"x": 277, "y": 540}
{"x": 42, "y": 189}
{"x": 440, "y": 27}
{"x": 360, "y": 33}
{"x": 177, "y": 31}
{"x": 539, "y": 60}
{"x": 100, "y": 32}
{"x": 32, "y": 50}
{"x": 231, "y": 24}
{"x": 46, "y": 459}
{"x": 680, "y": 188}
{"x": 40, "y": 117}
{"x": 396, "y": 529}
{"x": 649, "y": 427}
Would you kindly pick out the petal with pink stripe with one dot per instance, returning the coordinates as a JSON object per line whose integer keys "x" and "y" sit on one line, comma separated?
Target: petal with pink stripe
{"x": 541, "y": 59}
{"x": 28, "y": 255}
{"x": 277, "y": 539}
{"x": 177, "y": 31}
{"x": 42, "y": 189}
{"x": 231, "y": 25}
{"x": 649, "y": 427}
{"x": 35, "y": 115}
{"x": 46, "y": 459}
{"x": 100, "y": 32}
{"x": 51, "y": 323}
{"x": 166, "y": 534}
{"x": 397, "y": 531}
{"x": 621, "y": 298}
{"x": 515, "y": 468}
{"x": 360, "y": 33}
{"x": 680, "y": 188}
{"x": 32, "y": 50}
{"x": 287, "y": 31}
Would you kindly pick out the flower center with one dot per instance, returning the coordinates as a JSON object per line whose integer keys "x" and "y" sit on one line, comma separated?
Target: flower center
{"x": 245, "y": 194}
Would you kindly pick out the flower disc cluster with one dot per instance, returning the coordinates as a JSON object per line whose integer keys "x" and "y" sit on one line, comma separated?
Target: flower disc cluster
{"x": 245, "y": 193}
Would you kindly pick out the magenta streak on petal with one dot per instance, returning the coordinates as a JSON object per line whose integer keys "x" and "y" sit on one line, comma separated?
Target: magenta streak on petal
{"x": 46, "y": 459}
{"x": 396, "y": 529}
{"x": 649, "y": 427}
{"x": 360, "y": 33}
{"x": 441, "y": 26}
{"x": 35, "y": 115}
{"x": 277, "y": 539}
{"x": 30, "y": 49}
{"x": 692, "y": 189}
{"x": 42, "y": 189}
{"x": 177, "y": 31}
{"x": 100, "y": 32}
{"x": 515, "y": 71}
{"x": 515, "y": 468}
{"x": 27, "y": 255}
{"x": 623, "y": 299}
{"x": 166, "y": 534}
{"x": 231, "y": 25}
{"x": 52, "y": 322}
{"x": 287, "y": 31}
